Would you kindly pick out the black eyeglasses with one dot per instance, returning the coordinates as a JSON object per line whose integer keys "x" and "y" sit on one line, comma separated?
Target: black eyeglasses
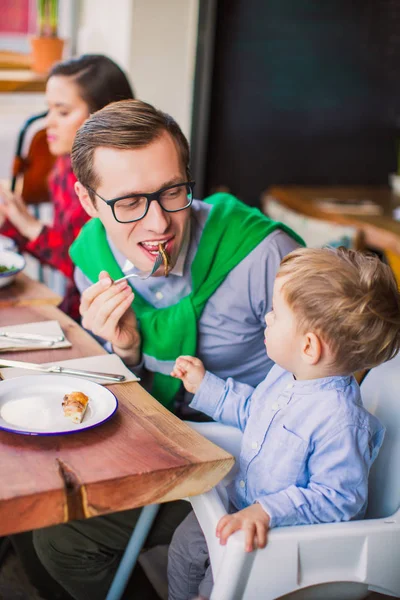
{"x": 134, "y": 207}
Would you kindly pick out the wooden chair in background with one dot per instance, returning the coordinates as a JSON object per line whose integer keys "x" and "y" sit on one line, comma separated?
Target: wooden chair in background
{"x": 31, "y": 169}
{"x": 32, "y": 162}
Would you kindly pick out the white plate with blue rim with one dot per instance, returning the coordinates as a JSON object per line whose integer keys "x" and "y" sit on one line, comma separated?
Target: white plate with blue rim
{"x": 32, "y": 405}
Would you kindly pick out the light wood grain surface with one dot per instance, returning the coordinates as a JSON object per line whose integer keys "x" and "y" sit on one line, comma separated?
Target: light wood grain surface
{"x": 16, "y": 61}
{"x": 25, "y": 291}
{"x": 21, "y": 80}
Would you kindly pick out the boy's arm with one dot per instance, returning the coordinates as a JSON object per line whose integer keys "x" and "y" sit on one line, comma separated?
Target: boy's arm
{"x": 338, "y": 485}
{"x": 226, "y": 401}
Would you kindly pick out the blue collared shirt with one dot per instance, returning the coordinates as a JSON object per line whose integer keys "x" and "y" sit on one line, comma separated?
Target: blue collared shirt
{"x": 307, "y": 446}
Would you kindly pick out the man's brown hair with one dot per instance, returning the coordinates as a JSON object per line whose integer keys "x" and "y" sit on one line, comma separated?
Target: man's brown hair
{"x": 124, "y": 125}
{"x": 350, "y": 299}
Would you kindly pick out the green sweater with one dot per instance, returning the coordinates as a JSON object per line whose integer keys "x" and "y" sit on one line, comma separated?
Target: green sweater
{"x": 231, "y": 232}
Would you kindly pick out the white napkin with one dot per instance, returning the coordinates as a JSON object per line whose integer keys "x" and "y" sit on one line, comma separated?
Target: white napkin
{"x": 52, "y": 328}
{"x": 105, "y": 363}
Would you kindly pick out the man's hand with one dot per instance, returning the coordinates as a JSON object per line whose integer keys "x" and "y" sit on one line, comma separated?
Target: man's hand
{"x": 13, "y": 208}
{"x": 191, "y": 371}
{"x": 106, "y": 311}
{"x": 253, "y": 520}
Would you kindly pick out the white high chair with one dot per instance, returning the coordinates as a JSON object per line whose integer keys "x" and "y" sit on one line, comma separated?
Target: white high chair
{"x": 338, "y": 560}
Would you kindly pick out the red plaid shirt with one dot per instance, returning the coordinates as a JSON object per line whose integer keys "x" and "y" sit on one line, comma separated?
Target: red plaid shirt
{"x": 52, "y": 245}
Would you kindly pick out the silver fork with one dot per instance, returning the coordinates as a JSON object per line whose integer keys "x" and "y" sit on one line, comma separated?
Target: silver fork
{"x": 142, "y": 275}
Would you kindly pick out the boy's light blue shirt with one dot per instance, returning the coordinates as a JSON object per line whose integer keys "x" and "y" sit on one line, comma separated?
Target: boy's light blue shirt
{"x": 307, "y": 445}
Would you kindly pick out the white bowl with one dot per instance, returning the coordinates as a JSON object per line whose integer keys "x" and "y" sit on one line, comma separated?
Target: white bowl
{"x": 13, "y": 261}
{"x": 7, "y": 243}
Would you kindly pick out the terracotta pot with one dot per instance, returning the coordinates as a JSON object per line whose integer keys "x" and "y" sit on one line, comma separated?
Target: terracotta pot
{"x": 45, "y": 52}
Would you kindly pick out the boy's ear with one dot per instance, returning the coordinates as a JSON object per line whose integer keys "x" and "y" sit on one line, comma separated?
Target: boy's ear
{"x": 85, "y": 199}
{"x": 312, "y": 348}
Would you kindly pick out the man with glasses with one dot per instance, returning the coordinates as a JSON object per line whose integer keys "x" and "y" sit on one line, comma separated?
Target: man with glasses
{"x": 132, "y": 166}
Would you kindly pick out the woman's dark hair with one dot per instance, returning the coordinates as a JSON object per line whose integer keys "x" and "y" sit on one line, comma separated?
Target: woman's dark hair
{"x": 99, "y": 79}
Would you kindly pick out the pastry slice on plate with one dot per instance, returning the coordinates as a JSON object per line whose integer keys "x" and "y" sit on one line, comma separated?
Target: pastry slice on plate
{"x": 75, "y": 405}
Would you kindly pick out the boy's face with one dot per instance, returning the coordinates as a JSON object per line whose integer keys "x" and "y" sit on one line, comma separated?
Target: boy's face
{"x": 282, "y": 339}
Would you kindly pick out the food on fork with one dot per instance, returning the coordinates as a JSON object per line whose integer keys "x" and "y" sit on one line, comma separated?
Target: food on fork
{"x": 75, "y": 405}
{"x": 165, "y": 258}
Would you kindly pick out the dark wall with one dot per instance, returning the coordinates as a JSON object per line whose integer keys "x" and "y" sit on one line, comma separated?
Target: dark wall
{"x": 303, "y": 91}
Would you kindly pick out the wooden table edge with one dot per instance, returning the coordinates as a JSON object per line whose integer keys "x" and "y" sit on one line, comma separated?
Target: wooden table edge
{"x": 79, "y": 500}
{"x": 73, "y": 500}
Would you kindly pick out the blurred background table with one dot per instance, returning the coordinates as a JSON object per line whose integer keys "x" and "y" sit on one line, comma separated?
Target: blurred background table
{"x": 380, "y": 231}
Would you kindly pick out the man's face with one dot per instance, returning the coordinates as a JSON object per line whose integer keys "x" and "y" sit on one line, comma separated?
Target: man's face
{"x": 141, "y": 170}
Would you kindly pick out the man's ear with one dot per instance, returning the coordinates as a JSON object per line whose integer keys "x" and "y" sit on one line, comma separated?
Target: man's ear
{"x": 85, "y": 199}
{"x": 312, "y": 348}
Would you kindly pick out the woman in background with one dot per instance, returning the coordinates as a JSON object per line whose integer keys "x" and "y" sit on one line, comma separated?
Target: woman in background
{"x": 75, "y": 89}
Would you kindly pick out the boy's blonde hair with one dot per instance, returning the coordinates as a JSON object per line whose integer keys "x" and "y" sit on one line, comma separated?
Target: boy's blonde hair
{"x": 350, "y": 299}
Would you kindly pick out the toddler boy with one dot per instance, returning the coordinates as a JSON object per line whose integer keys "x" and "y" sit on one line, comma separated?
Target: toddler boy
{"x": 308, "y": 443}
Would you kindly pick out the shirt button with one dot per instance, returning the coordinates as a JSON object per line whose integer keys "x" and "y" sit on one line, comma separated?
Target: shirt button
{"x": 242, "y": 484}
{"x": 159, "y": 295}
{"x": 275, "y": 406}
{"x": 289, "y": 387}
{"x": 254, "y": 445}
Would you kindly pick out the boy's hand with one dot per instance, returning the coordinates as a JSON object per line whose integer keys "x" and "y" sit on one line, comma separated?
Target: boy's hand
{"x": 191, "y": 371}
{"x": 253, "y": 520}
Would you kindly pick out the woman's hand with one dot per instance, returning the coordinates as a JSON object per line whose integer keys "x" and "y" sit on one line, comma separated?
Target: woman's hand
{"x": 106, "y": 311}
{"x": 13, "y": 208}
{"x": 191, "y": 371}
{"x": 253, "y": 520}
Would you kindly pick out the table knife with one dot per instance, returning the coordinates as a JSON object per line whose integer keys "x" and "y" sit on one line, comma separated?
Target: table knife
{"x": 32, "y": 337}
{"x": 58, "y": 369}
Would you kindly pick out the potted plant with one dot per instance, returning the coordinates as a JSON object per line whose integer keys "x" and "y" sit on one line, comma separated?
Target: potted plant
{"x": 47, "y": 47}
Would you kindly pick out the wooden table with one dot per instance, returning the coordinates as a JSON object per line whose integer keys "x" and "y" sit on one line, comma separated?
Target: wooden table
{"x": 83, "y": 344}
{"x": 143, "y": 455}
{"x": 25, "y": 291}
{"x": 380, "y": 231}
